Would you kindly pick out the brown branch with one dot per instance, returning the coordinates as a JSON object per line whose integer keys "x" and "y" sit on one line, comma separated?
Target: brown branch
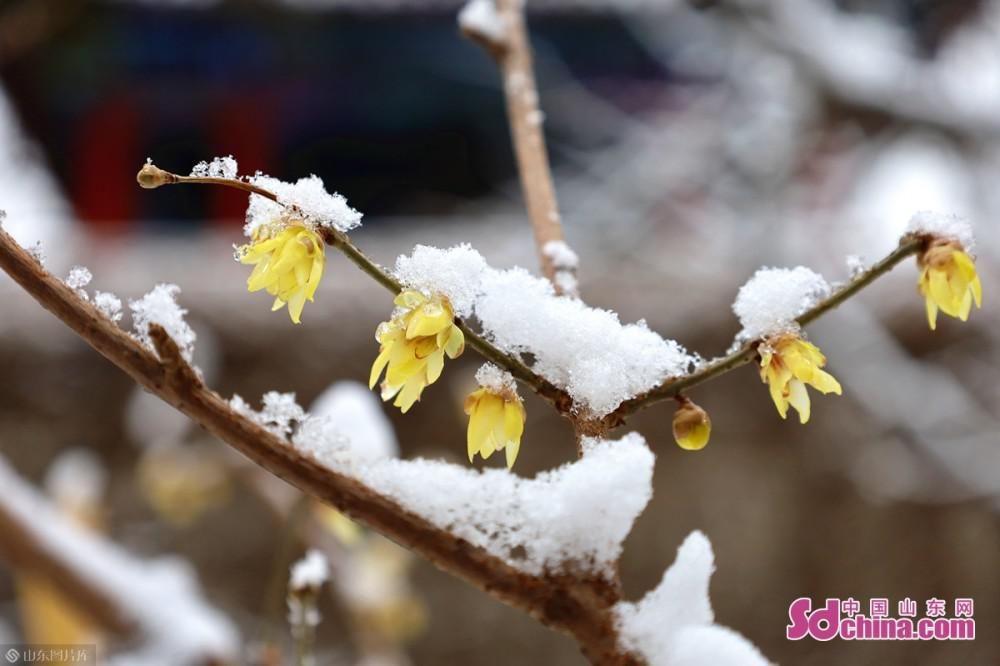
{"x": 908, "y": 245}
{"x": 575, "y": 605}
{"x": 525, "y": 117}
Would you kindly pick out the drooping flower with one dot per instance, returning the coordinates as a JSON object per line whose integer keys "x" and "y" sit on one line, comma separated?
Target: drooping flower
{"x": 289, "y": 264}
{"x": 787, "y": 364}
{"x": 413, "y": 346}
{"x": 948, "y": 281}
{"x": 692, "y": 427}
{"x": 496, "y": 421}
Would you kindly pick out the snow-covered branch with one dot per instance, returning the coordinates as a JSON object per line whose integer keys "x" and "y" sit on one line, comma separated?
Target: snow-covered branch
{"x": 157, "y": 602}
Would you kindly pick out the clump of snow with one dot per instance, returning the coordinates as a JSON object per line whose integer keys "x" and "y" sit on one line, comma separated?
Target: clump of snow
{"x": 219, "y": 167}
{"x": 109, "y": 305}
{"x": 561, "y": 255}
{"x": 79, "y": 277}
{"x": 580, "y": 512}
{"x": 771, "y": 300}
{"x": 351, "y": 410}
{"x": 279, "y": 413}
{"x": 856, "y": 265}
{"x": 456, "y": 273}
{"x": 495, "y": 380}
{"x": 947, "y": 225}
{"x": 161, "y": 597}
{"x": 586, "y": 351}
{"x": 308, "y": 195}
{"x": 160, "y": 307}
{"x": 480, "y": 18}
{"x": 673, "y": 625}
{"x": 565, "y": 261}
{"x": 311, "y": 572}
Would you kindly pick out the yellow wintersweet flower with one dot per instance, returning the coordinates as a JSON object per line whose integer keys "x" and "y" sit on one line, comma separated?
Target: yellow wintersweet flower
{"x": 692, "y": 427}
{"x": 413, "y": 346}
{"x": 787, "y": 364}
{"x": 289, "y": 264}
{"x": 496, "y": 421}
{"x": 948, "y": 281}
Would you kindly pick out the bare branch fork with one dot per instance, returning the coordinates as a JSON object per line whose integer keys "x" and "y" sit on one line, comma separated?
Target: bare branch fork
{"x": 576, "y": 605}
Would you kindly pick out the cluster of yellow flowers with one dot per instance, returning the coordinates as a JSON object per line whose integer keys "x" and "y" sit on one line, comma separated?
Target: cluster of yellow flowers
{"x": 413, "y": 346}
{"x": 949, "y": 283}
{"x": 289, "y": 260}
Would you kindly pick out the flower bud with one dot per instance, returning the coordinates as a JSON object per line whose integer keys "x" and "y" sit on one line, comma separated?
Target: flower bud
{"x": 692, "y": 427}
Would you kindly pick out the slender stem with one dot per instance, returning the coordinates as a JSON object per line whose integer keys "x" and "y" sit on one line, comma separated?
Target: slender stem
{"x": 908, "y": 246}
{"x": 151, "y": 176}
{"x": 525, "y": 118}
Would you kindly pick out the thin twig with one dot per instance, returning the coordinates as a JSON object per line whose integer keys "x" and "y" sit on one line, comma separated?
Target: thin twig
{"x": 909, "y": 245}
{"x": 578, "y": 606}
{"x": 151, "y": 176}
{"x": 525, "y": 117}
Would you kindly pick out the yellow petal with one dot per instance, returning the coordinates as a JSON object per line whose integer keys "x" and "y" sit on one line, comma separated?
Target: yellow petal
{"x": 455, "y": 344}
{"x": 430, "y": 319}
{"x": 798, "y": 397}
{"x": 824, "y": 382}
{"x": 435, "y": 364}
{"x": 295, "y": 305}
{"x": 409, "y": 395}
{"x": 409, "y": 299}
{"x": 977, "y": 291}
{"x": 932, "y": 310}
{"x": 941, "y": 293}
{"x": 380, "y": 362}
{"x": 315, "y": 274}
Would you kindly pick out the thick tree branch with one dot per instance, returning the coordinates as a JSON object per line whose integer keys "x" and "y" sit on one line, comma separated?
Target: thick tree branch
{"x": 574, "y": 605}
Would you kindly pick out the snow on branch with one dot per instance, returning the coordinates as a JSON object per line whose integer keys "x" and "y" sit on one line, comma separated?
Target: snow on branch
{"x": 157, "y": 600}
{"x": 673, "y": 625}
{"x": 585, "y": 351}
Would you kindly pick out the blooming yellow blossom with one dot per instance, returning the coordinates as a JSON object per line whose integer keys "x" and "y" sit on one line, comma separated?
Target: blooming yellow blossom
{"x": 692, "y": 427}
{"x": 413, "y": 346}
{"x": 948, "y": 281}
{"x": 289, "y": 264}
{"x": 496, "y": 421}
{"x": 787, "y": 364}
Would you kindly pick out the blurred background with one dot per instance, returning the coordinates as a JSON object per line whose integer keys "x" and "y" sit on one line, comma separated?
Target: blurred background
{"x": 692, "y": 142}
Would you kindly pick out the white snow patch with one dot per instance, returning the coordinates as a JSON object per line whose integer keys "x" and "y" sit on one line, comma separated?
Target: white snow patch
{"x": 950, "y": 226}
{"x": 480, "y": 18}
{"x": 160, "y": 307}
{"x": 317, "y": 206}
{"x": 580, "y": 512}
{"x": 79, "y": 277}
{"x": 771, "y": 300}
{"x": 456, "y": 273}
{"x": 161, "y": 596}
{"x": 495, "y": 380}
{"x": 351, "y": 410}
{"x": 561, "y": 255}
{"x": 310, "y": 572}
{"x": 673, "y": 625}
{"x": 587, "y": 351}
{"x": 856, "y": 265}
{"x": 109, "y": 305}
{"x": 219, "y": 167}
